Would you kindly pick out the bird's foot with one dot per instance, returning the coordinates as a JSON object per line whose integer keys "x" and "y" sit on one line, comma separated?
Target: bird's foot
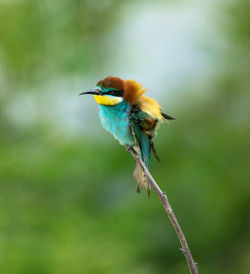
{"x": 129, "y": 148}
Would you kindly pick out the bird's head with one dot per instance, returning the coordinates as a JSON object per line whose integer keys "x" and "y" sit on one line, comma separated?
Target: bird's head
{"x": 113, "y": 90}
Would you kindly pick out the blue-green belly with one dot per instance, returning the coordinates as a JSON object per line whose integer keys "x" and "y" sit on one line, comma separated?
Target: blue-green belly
{"x": 115, "y": 119}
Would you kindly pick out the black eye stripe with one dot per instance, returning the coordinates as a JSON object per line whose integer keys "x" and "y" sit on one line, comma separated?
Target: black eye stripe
{"x": 118, "y": 93}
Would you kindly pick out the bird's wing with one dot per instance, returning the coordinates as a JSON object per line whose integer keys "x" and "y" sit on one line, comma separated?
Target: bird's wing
{"x": 144, "y": 118}
{"x": 143, "y": 127}
{"x": 138, "y": 123}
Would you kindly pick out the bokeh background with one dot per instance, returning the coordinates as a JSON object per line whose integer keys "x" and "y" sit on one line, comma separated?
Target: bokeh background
{"x": 68, "y": 201}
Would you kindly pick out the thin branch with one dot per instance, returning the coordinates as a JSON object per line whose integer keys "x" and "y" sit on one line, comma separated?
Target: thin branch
{"x": 164, "y": 200}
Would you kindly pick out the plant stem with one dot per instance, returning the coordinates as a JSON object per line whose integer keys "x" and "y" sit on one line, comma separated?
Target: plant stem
{"x": 164, "y": 200}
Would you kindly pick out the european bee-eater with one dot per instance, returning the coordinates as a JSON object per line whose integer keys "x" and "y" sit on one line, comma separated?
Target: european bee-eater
{"x": 131, "y": 117}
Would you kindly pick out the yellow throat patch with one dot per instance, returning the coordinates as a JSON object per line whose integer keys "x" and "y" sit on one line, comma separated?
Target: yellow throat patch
{"x": 106, "y": 100}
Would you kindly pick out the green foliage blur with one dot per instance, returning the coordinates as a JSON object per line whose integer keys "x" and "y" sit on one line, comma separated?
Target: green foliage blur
{"x": 68, "y": 201}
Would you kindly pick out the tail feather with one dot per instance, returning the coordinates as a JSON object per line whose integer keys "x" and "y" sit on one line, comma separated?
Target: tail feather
{"x": 145, "y": 149}
{"x": 141, "y": 179}
{"x": 152, "y": 147}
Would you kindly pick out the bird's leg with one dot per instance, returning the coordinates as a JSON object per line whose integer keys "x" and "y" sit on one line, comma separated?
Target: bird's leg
{"x": 129, "y": 148}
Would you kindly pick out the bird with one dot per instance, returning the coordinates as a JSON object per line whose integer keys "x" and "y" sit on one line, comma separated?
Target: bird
{"x": 131, "y": 117}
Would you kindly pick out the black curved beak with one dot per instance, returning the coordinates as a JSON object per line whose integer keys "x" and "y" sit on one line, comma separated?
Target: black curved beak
{"x": 95, "y": 91}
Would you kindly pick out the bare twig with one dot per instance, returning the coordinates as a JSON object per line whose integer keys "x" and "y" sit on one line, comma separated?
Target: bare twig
{"x": 164, "y": 200}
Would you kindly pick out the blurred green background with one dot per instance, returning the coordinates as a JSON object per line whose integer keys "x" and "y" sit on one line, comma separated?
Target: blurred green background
{"x": 68, "y": 201}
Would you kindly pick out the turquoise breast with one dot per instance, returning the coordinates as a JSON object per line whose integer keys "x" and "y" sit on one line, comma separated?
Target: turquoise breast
{"x": 115, "y": 119}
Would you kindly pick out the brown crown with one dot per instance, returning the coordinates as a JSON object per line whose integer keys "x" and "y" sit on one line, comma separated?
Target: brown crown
{"x": 111, "y": 82}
